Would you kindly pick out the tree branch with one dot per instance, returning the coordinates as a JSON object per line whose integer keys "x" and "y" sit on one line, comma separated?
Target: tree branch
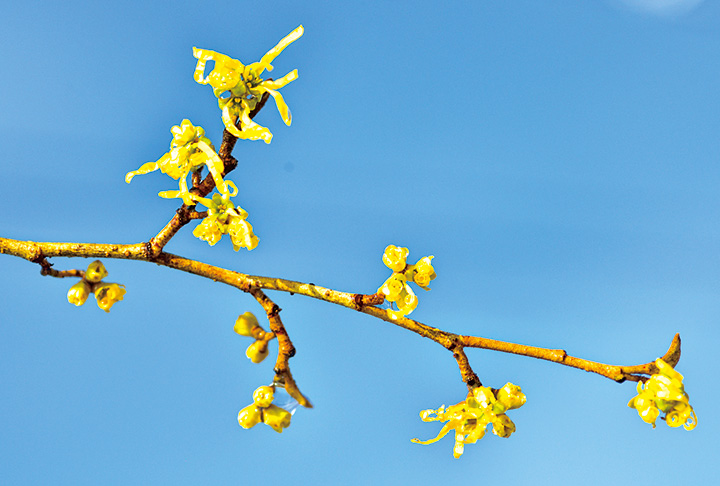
{"x": 36, "y": 252}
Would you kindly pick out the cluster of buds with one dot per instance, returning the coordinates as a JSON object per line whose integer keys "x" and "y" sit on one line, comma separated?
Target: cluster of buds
{"x": 664, "y": 392}
{"x": 239, "y": 88}
{"x": 106, "y": 293}
{"x": 225, "y": 218}
{"x": 247, "y": 325}
{"x": 470, "y": 418}
{"x": 263, "y": 410}
{"x": 396, "y": 288}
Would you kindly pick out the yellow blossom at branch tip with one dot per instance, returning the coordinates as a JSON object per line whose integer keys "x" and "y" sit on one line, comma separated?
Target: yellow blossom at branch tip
{"x": 470, "y": 418}
{"x": 239, "y": 88}
{"x": 664, "y": 392}
{"x": 79, "y": 293}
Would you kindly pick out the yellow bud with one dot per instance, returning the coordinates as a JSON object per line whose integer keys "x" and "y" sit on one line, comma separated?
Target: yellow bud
{"x": 249, "y": 416}
{"x": 277, "y": 418}
{"x": 503, "y": 426}
{"x": 393, "y": 287}
{"x": 257, "y": 351}
{"x": 245, "y": 324}
{"x": 95, "y": 272}
{"x": 511, "y": 396}
{"x": 107, "y": 294}
{"x": 263, "y": 396}
{"x": 424, "y": 272}
{"x": 395, "y": 258}
{"x": 79, "y": 293}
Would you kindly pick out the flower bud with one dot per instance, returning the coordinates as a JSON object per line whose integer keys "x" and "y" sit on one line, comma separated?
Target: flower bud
{"x": 245, "y": 324}
{"x": 257, "y": 351}
{"x": 424, "y": 272}
{"x": 503, "y": 426}
{"x": 249, "y": 416}
{"x": 511, "y": 396}
{"x": 277, "y": 418}
{"x": 79, "y": 293}
{"x": 395, "y": 258}
{"x": 263, "y": 396}
{"x": 393, "y": 287}
{"x": 107, "y": 294}
{"x": 95, "y": 272}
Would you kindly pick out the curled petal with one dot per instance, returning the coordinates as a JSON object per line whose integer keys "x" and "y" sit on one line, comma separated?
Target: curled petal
{"x": 144, "y": 169}
{"x": 281, "y": 106}
{"x": 279, "y": 83}
{"x": 275, "y": 51}
{"x": 215, "y": 166}
{"x": 443, "y": 432}
{"x": 221, "y": 60}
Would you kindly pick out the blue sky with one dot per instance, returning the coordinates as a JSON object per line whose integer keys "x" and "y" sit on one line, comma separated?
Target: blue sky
{"x": 559, "y": 159}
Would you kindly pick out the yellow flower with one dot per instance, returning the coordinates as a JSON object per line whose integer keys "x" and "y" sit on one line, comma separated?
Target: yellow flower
{"x": 257, "y": 351}
{"x": 395, "y": 258}
{"x": 241, "y": 234}
{"x": 107, "y": 294}
{"x": 245, "y": 324}
{"x": 224, "y": 218}
{"x": 249, "y": 416}
{"x": 263, "y": 396}
{"x": 262, "y": 410}
{"x": 664, "y": 392}
{"x": 190, "y": 149}
{"x": 424, "y": 272}
{"x": 95, "y": 272}
{"x": 277, "y": 418}
{"x": 470, "y": 418}
{"x": 79, "y": 293}
{"x": 239, "y": 88}
{"x": 393, "y": 287}
{"x": 396, "y": 288}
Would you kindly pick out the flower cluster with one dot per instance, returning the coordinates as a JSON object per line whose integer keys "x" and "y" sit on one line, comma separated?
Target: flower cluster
{"x": 471, "y": 417}
{"x": 106, "y": 293}
{"x": 664, "y": 392}
{"x": 263, "y": 410}
{"x": 247, "y": 325}
{"x": 240, "y": 88}
{"x": 225, "y": 218}
{"x": 396, "y": 288}
{"x": 190, "y": 150}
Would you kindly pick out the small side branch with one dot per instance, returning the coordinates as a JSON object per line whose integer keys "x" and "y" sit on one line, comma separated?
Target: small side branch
{"x": 286, "y": 349}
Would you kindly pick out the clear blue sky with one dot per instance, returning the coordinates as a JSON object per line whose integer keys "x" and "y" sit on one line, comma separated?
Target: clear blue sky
{"x": 559, "y": 159}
